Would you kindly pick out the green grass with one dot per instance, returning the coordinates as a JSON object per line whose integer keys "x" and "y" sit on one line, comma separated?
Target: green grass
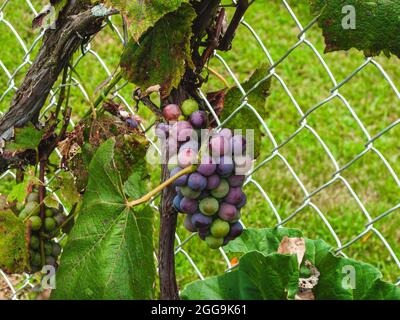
{"x": 368, "y": 93}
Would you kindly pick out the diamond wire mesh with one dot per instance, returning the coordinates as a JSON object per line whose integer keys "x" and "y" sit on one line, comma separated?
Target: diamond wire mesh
{"x": 24, "y": 282}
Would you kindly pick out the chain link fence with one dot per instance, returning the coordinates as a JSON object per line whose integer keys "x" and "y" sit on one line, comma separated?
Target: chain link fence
{"x": 10, "y": 75}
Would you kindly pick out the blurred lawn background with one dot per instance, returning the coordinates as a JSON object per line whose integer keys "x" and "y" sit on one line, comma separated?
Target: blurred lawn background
{"x": 368, "y": 93}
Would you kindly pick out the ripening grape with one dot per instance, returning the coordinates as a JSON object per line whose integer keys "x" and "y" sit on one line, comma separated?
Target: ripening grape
{"x": 197, "y": 182}
{"x": 213, "y": 182}
{"x": 188, "y": 224}
{"x": 187, "y": 157}
{"x": 198, "y": 119}
{"x": 214, "y": 243}
{"x": 222, "y": 189}
{"x": 189, "y": 205}
{"x": 51, "y": 261}
{"x": 181, "y": 181}
{"x": 234, "y": 196}
{"x": 225, "y": 166}
{"x": 228, "y": 212}
{"x": 207, "y": 166}
{"x": 219, "y": 228}
{"x": 33, "y": 197}
{"x": 171, "y": 112}
{"x": 132, "y": 123}
{"x": 236, "y": 181}
{"x": 190, "y": 193}
{"x": 177, "y": 202}
{"x": 201, "y": 221}
{"x": 209, "y": 206}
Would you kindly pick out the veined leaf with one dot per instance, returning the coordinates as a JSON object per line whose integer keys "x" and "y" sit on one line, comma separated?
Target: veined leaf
{"x": 161, "y": 56}
{"x": 271, "y": 277}
{"x": 246, "y": 118}
{"x": 143, "y": 15}
{"x": 13, "y": 243}
{"x": 370, "y": 26}
{"x": 109, "y": 254}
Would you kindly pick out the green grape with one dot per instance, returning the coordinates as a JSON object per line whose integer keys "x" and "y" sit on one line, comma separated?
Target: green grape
{"x": 190, "y": 193}
{"x": 20, "y": 206}
{"x": 189, "y": 106}
{"x": 35, "y": 242}
{"x": 222, "y": 190}
{"x": 36, "y": 223}
{"x": 220, "y": 228}
{"x": 23, "y": 215}
{"x": 209, "y": 206}
{"x": 48, "y": 248}
{"x": 32, "y": 208}
{"x": 50, "y": 224}
{"x": 214, "y": 243}
{"x": 35, "y": 258}
{"x": 49, "y": 212}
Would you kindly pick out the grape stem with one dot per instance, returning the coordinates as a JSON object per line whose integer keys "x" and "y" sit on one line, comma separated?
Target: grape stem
{"x": 161, "y": 187}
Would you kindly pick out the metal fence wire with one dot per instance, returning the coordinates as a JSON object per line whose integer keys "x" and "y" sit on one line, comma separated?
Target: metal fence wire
{"x": 15, "y": 285}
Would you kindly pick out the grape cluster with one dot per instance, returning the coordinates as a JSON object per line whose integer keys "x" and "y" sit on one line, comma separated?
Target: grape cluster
{"x": 212, "y": 196}
{"x": 54, "y": 218}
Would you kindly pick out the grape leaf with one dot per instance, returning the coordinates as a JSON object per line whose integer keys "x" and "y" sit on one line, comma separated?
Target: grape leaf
{"x": 25, "y": 138}
{"x": 162, "y": 53}
{"x": 142, "y": 15}
{"x": 246, "y": 118}
{"x": 13, "y": 244}
{"x": 109, "y": 254}
{"x": 271, "y": 277}
{"x": 334, "y": 270}
{"x": 377, "y": 26}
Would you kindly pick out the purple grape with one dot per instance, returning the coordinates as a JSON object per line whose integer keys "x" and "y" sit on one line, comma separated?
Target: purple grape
{"x": 198, "y": 119}
{"x": 204, "y": 233}
{"x": 226, "y": 241}
{"x": 236, "y": 181}
{"x": 191, "y": 144}
{"x": 213, "y": 181}
{"x": 197, "y": 182}
{"x": 228, "y": 212}
{"x": 187, "y": 157}
{"x": 189, "y": 205}
{"x": 177, "y": 202}
{"x": 226, "y": 133}
{"x": 201, "y": 221}
{"x": 242, "y": 202}
{"x": 207, "y": 166}
{"x": 238, "y": 144}
{"x": 188, "y": 224}
{"x": 181, "y": 181}
{"x": 162, "y": 130}
{"x": 235, "y": 231}
{"x": 204, "y": 194}
{"x": 182, "y": 131}
{"x": 225, "y": 166}
{"x": 234, "y": 196}
{"x": 132, "y": 123}
{"x": 172, "y": 163}
{"x": 219, "y": 146}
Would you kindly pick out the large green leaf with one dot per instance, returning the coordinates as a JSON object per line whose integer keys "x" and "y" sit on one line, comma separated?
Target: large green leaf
{"x": 246, "y": 118}
{"x": 109, "y": 254}
{"x": 142, "y": 15}
{"x": 162, "y": 53}
{"x": 271, "y": 277}
{"x": 13, "y": 243}
{"x": 340, "y": 278}
{"x": 377, "y": 26}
